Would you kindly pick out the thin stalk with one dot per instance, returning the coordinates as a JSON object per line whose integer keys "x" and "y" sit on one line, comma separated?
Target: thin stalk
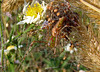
{"x": 2, "y": 43}
{"x": 90, "y": 5}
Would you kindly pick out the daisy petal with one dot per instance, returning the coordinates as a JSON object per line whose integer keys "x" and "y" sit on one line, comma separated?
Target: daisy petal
{"x": 27, "y": 20}
{"x": 25, "y": 8}
{"x": 36, "y": 19}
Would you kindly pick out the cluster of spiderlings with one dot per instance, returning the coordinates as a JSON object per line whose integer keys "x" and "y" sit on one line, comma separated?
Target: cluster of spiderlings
{"x": 56, "y": 10}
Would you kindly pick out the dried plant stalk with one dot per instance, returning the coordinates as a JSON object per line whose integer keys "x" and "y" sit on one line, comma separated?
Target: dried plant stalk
{"x": 96, "y": 2}
{"x": 90, "y": 5}
{"x": 10, "y": 5}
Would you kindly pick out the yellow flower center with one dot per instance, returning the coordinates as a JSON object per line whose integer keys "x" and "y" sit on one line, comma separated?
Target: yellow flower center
{"x": 33, "y": 11}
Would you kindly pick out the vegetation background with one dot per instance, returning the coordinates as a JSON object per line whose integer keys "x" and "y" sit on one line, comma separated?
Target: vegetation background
{"x": 33, "y": 53}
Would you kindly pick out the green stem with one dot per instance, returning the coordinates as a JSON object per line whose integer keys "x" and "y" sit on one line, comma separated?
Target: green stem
{"x": 2, "y": 47}
{"x": 2, "y": 43}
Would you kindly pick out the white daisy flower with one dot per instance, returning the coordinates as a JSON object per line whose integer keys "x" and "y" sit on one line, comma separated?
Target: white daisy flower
{"x": 33, "y": 13}
{"x": 69, "y": 48}
{"x": 11, "y": 47}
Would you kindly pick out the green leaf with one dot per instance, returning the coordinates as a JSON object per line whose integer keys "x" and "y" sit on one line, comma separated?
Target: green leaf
{"x": 11, "y": 34}
{"x": 29, "y": 28}
{"x": 66, "y": 62}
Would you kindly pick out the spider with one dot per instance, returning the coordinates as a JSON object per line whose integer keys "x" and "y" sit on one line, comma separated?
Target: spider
{"x": 60, "y": 20}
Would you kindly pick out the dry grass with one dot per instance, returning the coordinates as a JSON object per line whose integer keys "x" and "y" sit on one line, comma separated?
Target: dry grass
{"x": 10, "y": 5}
{"x": 89, "y": 41}
{"x": 89, "y": 54}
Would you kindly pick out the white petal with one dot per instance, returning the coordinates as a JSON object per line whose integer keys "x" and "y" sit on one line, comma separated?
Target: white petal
{"x": 25, "y": 8}
{"x": 32, "y": 4}
{"x": 71, "y": 51}
{"x": 36, "y": 19}
{"x": 27, "y": 20}
{"x": 20, "y": 46}
{"x": 21, "y": 22}
{"x": 44, "y": 11}
{"x": 44, "y": 7}
{"x": 81, "y": 71}
{"x": 40, "y": 21}
{"x": 75, "y": 49}
{"x": 15, "y": 48}
{"x": 31, "y": 19}
{"x": 68, "y": 47}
